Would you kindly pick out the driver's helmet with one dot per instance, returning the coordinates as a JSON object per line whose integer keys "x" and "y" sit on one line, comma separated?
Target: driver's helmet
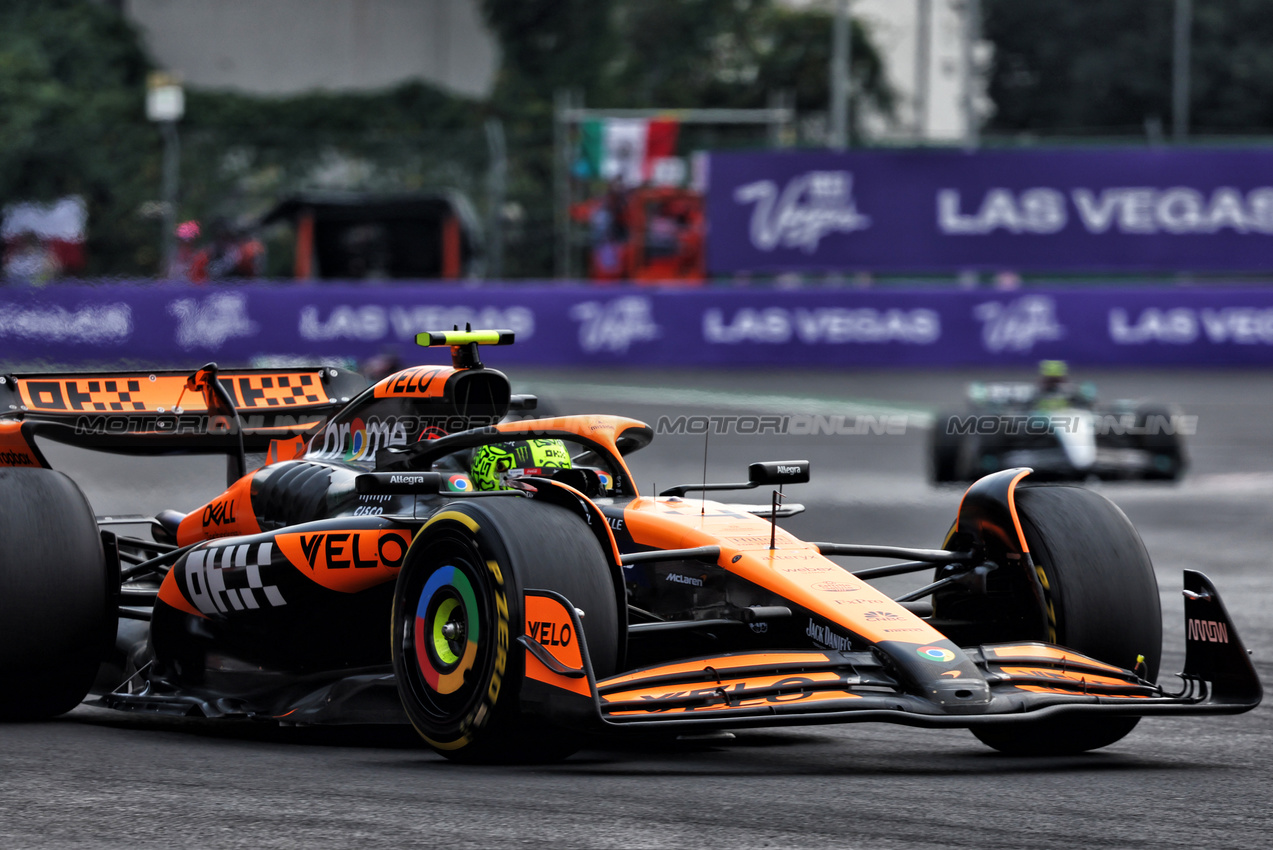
{"x": 1052, "y": 374}
{"x": 494, "y": 464}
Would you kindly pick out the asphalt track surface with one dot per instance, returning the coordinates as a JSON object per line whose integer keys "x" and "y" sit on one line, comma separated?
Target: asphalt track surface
{"x": 99, "y": 779}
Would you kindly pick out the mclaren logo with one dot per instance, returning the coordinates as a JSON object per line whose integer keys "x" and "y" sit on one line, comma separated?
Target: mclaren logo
{"x": 677, "y": 578}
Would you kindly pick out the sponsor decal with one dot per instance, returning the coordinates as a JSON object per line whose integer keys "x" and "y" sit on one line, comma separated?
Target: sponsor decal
{"x": 881, "y": 616}
{"x": 129, "y": 394}
{"x": 209, "y": 322}
{"x": 458, "y": 483}
{"x": 431, "y": 433}
{"x": 220, "y": 579}
{"x": 738, "y": 695}
{"x": 347, "y": 561}
{"x": 754, "y": 541}
{"x": 678, "y": 578}
{"x": 1141, "y": 210}
{"x": 356, "y": 440}
{"x": 1018, "y": 325}
{"x": 1036, "y": 211}
{"x": 286, "y": 390}
{"x": 425, "y": 381}
{"x": 615, "y": 325}
{"x": 218, "y": 513}
{"x": 338, "y": 550}
{"x": 1185, "y": 326}
{"x": 824, "y": 636}
{"x": 372, "y": 322}
{"x": 9, "y": 458}
{"x": 549, "y": 633}
{"x": 838, "y": 586}
{"x": 1210, "y": 631}
{"x": 501, "y": 652}
{"x": 117, "y": 395}
{"x": 822, "y": 325}
{"x": 615, "y": 522}
{"x": 759, "y": 628}
{"x": 109, "y": 323}
{"x": 549, "y": 624}
{"x": 807, "y": 209}
{"x": 937, "y": 654}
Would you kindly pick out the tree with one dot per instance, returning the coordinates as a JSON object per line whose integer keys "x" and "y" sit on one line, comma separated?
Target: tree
{"x": 72, "y": 81}
{"x": 1105, "y": 69}
{"x": 652, "y": 54}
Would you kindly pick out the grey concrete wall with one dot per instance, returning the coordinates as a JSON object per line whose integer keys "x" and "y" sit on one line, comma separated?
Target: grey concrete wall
{"x": 290, "y": 46}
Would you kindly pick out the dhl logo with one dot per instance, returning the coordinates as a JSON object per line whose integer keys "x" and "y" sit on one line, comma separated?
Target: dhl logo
{"x": 159, "y": 393}
{"x": 347, "y": 561}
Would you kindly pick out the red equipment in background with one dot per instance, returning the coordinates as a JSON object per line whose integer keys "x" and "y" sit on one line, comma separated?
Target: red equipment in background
{"x": 650, "y": 234}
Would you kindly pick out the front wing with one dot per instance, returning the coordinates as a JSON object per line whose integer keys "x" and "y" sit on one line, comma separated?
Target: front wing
{"x": 1027, "y": 681}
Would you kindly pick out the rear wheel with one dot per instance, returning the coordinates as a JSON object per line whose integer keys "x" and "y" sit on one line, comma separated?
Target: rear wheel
{"x": 57, "y": 618}
{"x": 1102, "y": 601}
{"x": 458, "y": 611}
{"x": 1166, "y": 449}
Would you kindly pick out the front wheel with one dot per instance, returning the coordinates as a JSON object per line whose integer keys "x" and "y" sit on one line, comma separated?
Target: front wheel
{"x": 459, "y": 610}
{"x": 1102, "y": 601}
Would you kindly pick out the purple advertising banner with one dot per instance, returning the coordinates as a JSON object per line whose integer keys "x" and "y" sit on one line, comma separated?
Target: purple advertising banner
{"x": 588, "y": 326}
{"x": 1051, "y": 210}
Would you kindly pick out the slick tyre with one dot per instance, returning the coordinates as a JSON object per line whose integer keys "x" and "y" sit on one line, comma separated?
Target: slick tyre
{"x": 1166, "y": 450}
{"x": 57, "y": 609}
{"x": 1102, "y": 601}
{"x": 458, "y": 613}
{"x": 945, "y": 448}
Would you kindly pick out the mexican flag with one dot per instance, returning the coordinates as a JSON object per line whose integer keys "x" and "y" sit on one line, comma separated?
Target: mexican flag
{"x": 626, "y": 148}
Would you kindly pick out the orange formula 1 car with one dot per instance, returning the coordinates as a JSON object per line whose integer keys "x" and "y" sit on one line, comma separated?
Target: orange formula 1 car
{"x": 533, "y": 595}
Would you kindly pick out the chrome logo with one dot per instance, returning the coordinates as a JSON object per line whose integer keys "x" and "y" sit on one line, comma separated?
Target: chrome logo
{"x": 935, "y": 653}
{"x": 458, "y": 483}
{"x": 357, "y": 440}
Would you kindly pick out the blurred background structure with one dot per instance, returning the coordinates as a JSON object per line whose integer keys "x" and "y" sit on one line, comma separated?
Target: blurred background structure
{"x": 828, "y": 144}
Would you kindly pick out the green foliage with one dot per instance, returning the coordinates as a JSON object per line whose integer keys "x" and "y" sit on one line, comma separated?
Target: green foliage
{"x": 73, "y": 75}
{"x": 654, "y": 54}
{"x": 1104, "y": 69}
{"x": 242, "y": 153}
{"x": 72, "y": 82}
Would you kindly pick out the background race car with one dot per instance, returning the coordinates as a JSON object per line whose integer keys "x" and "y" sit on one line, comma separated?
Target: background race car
{"x": 1060, "y": 430}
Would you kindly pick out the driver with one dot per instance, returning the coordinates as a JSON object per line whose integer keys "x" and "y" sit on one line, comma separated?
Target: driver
{"x": 494, "y": 465}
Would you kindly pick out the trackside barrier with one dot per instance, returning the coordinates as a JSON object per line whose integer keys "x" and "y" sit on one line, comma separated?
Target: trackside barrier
{"x": 579, "y": 325}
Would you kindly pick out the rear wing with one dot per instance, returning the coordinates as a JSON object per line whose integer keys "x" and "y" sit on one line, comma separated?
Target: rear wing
{"x": 135, "y": 411}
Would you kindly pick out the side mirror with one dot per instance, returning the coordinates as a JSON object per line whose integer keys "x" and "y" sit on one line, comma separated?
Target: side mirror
{"x": 778, "y": 472}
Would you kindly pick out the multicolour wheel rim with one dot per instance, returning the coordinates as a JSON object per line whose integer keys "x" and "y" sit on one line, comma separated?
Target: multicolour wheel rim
{"x": 446, "y": 630}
